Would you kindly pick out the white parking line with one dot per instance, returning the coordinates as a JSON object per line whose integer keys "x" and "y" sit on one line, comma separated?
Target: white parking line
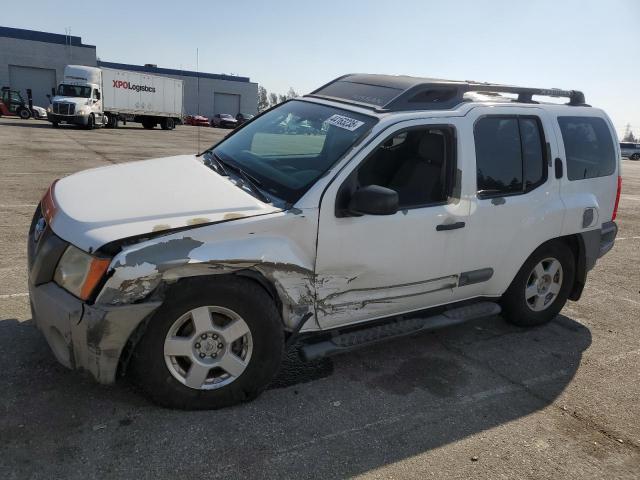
{"x": 20, "y": 205}
{"x": 13, "y": 295}
{"x": 627, "y": 238}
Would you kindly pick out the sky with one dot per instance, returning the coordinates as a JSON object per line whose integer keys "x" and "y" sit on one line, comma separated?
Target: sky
{"x": 585, "y": 45}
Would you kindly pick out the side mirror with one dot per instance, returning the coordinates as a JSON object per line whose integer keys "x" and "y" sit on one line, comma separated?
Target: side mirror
{"x": 374, "y": 200}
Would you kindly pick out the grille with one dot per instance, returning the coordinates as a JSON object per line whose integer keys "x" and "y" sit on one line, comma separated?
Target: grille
{"x": 64, "y": 108}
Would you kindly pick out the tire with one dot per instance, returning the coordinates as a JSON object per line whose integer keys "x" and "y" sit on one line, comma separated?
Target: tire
{"x": 547, "y": 292}
{"x": 635, "y": 156}
{"x": 167, "y": 124}
{"x": 164, "y": 377}
{"x": 55, "y": 124}
{"x": 148, "y": 124}
{"x": 24, "y": 114}
{"x": 91, "y": 122}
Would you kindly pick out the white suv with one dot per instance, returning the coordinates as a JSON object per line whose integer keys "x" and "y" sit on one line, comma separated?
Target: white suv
{"x": 405, "y": 204}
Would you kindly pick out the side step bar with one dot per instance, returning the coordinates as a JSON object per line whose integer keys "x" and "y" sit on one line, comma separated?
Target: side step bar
{"x": 344, "y": 342}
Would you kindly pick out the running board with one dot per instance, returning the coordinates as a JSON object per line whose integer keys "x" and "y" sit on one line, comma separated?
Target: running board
{"x": 344, "y": 342}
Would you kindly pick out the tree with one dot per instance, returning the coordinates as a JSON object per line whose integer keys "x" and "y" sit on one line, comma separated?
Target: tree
{"x": 282, "y": 98}
{"x": 263, "y": 99}
{"x": 291, "y": 93}
{"x": 273, "y": 99}
{"x": 628, "y": 135}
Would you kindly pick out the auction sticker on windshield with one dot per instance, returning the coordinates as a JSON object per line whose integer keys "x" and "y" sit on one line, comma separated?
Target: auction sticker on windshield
{"x": 347, "y": 123}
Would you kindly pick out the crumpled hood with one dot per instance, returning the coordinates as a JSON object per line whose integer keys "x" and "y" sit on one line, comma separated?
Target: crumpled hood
{"x": 98, "y": 206}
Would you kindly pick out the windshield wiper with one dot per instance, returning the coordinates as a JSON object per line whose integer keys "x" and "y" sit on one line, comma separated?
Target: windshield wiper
{"x": 214, "y": 162}
{"x": 252, "y": 182}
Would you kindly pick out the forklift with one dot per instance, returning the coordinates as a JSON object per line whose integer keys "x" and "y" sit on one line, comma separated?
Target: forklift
{"x": 12, "y": 104}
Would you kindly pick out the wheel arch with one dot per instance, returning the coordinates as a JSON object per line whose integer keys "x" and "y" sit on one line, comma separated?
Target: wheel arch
{"x": 164, "y": 290}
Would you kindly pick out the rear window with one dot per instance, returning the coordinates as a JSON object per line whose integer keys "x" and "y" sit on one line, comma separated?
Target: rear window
{"x": 510, "y": 158}
{"x": 588, "y": 147}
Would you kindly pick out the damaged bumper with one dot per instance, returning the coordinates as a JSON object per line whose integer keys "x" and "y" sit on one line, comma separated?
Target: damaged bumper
{"x": 85, "y": 337}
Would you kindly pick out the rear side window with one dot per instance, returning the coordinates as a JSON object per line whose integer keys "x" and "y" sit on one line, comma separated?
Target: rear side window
{"x": 510, "y": 158}
{"x": 588, "y": 147}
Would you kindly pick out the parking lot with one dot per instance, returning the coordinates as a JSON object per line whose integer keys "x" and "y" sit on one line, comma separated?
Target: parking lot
{"x": 481, "y": 400}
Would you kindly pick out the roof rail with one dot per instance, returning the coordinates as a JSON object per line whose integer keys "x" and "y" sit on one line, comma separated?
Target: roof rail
{"x": 397, "y": 93}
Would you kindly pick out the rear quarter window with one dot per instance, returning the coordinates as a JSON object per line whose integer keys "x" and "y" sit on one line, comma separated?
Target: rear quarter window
{"x": 588, "y": 147}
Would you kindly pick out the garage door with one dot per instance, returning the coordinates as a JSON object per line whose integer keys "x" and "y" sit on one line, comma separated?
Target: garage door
{"x": 39, "y": 80}
{"x": 226, "y": 103}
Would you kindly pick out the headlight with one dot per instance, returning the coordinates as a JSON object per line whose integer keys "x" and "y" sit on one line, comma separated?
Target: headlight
{"x": 49, "y": 110}
{"x": 79, "y": 273}
{"x": 82, "y": 111}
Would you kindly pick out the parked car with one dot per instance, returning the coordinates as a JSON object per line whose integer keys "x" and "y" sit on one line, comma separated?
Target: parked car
{"x": 223, "y": 120}
{"x": 39, "y": 113}
{"x": 196, "y": 120}
{"x": 412, "y": 208}
{"x": 630, "y": 150}
{"x": 243, "y": 117}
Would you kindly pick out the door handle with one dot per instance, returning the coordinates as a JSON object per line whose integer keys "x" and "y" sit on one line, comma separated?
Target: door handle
{"x": 449, "y": 226}
{"x": 558, "y": 167}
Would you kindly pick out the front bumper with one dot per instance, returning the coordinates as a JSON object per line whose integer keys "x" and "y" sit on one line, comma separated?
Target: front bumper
{"x": 85, "y": 337}
{"x": 81, "y": 336}
{"x": 72, "y": 119}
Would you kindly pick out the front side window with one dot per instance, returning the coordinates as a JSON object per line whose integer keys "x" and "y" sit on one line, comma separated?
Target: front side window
{"x": 288, "y": 148}
{"x": 416, "y": 163}
{"x": 510, "y": 158}
{"x": 588, "y": 146}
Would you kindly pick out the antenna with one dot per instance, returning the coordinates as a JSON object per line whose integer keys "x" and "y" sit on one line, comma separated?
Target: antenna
{"x": 198, "y": 94}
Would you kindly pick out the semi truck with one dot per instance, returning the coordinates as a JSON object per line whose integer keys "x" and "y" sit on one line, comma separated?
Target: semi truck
{"x": 102, "y": 97}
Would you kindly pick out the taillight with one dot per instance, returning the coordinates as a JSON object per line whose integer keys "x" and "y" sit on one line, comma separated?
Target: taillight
{"x": 615, "y": 207}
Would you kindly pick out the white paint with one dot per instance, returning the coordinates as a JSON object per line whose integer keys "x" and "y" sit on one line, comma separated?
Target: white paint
{"x": 14, "y": 295}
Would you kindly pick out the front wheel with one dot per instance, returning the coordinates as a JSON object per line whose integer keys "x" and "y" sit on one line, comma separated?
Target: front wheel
{"x": 167, "y": 124}
{"x": 541, "y": 287}
{"x": 213, "y": 345}
{"x": 24, "y": 114}
{"x": 91, "y": 122}
{"x": 635, "y": 156}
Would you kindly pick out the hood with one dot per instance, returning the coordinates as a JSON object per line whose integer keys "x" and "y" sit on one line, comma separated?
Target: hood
{"x": 98, "y": 206}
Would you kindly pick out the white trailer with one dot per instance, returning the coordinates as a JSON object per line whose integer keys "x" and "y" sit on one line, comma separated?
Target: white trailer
{"x": 91, "y": 97}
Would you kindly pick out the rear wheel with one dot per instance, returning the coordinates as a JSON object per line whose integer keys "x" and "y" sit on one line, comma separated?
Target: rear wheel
{"x": 635, "y": 156}
{"x": 213, "y": 345}
{"x": 24, "y": 114}
{"x": 541, "y": 287}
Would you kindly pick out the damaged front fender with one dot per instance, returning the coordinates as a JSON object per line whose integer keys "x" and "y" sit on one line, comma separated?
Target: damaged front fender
{"x": 278, "y": 247}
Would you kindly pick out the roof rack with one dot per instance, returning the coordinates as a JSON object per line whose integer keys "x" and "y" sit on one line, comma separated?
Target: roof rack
{"x": 386, "y": 93}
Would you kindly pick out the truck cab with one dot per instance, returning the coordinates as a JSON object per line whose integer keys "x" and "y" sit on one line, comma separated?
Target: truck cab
{"x": 78, "y": 99}
{"x": 389, "y": 206}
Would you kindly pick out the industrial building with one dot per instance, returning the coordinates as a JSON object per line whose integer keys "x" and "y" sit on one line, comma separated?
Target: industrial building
{"x": 36, "y": 60}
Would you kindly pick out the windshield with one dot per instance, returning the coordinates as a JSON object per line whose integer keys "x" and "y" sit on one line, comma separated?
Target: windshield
{"x": 288, "y": 148}
{"x": 224, "y": 115}
{"x": 65, "y": 90}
